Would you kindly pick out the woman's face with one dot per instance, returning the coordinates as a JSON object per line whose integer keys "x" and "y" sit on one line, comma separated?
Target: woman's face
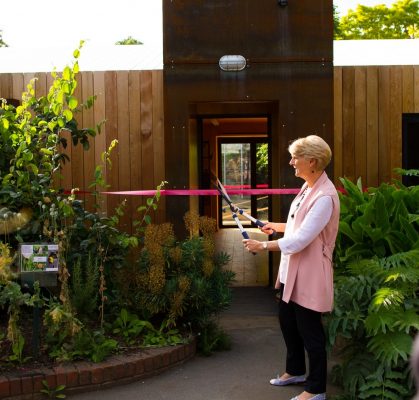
{"x": 302, "y": 166}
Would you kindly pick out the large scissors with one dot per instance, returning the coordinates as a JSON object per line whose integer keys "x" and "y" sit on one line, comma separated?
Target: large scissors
{"x": 234, "y": 209}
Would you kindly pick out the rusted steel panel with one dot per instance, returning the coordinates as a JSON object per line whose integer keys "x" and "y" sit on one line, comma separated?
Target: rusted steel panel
{"x": 298, "y": 97}
{"x": 201, "y": 31}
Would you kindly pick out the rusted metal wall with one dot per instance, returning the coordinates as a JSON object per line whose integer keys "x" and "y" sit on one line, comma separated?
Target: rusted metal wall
{"x": 289, "y": 76}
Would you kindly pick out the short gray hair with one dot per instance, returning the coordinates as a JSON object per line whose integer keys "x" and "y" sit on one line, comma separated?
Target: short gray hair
{"x": 312, "y": 146}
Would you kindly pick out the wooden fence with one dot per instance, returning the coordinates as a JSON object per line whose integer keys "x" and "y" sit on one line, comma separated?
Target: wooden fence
{"x": 368, "y": 107}
{"x": 131, "y": 102}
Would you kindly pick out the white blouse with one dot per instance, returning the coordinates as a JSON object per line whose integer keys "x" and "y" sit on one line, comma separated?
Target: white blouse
{"x": 313, "y": 223}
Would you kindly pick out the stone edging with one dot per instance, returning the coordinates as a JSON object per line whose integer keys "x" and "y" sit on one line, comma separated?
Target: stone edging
{"x": 87, "y": 376}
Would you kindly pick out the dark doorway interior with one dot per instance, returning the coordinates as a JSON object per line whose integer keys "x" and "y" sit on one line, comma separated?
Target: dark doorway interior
{"x": 410, "y": 147}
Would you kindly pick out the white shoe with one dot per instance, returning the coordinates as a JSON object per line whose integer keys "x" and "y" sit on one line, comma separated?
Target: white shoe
{"x": 289, "y": 381}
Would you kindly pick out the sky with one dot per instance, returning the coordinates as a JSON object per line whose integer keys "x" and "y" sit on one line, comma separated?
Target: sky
{"x": 344, "y": 5}
{"x": 51, "y": 23}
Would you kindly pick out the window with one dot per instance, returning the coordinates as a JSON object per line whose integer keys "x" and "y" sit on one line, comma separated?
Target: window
{"x": 244, "y": 164}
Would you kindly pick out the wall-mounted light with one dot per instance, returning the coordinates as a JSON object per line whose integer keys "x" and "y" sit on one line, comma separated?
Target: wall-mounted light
{"x": 232, "y": 63}
{"x": 283, "y": 3}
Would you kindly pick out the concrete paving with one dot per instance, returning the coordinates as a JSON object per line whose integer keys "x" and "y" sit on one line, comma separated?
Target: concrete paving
{"x": 242, "y": 373}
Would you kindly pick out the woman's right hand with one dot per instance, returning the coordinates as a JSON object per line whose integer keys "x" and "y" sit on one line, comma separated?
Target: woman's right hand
{"x": 271, "y": 227}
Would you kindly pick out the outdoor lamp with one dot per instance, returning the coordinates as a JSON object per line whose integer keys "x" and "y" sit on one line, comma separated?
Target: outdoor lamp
{"x": 232, "y": 63}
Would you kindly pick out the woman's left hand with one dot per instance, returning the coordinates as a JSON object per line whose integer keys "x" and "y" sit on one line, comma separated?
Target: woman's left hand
{"x": 253, "y": 245}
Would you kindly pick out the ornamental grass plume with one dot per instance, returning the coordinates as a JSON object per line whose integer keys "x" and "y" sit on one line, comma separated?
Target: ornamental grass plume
{"x": 209, "y": 247}
{"x": 208, "y": 226}
{"x": 191, "y": 219}
{"x": 176, "y": 255}
{"x": 155, "y": 238}
{"x": 157, "y": 279}
{"x": 177, "y": 300}
{"x": 208, "y": 267}
{"x": 162, "y": 234}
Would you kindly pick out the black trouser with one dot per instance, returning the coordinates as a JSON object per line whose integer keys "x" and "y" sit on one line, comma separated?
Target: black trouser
{"x": 302, "y": 328}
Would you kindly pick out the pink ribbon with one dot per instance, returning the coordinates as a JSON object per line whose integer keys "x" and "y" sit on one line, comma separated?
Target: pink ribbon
{"x": 203, "y": 192}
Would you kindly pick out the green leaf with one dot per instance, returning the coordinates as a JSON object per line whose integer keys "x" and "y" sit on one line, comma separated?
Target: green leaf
{"x": 5, "y": 124}
{"x": 72, "y": 103}
{"x": 67, "y": 73}
{"x": 389, "y": 348}
{"x": 68, "y": 115}
{"x": 387, "y": 297}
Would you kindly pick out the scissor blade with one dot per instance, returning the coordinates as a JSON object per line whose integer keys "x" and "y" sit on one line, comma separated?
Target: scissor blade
{"x": 223, "y": 190}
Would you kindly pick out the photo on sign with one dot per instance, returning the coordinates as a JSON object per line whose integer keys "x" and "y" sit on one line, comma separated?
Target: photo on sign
{"x": 38, "y": 257}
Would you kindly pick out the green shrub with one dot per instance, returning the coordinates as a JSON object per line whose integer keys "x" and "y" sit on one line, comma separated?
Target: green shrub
{"x": 376, "y": 290}
{"x": 183, "y": 283}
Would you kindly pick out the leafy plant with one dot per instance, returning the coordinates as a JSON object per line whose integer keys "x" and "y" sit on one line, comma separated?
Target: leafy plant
{"x": 85, "y": 286}
{"x": 164, "y": 336}
{"x": 53, "y": 393}
{"x": 212, "y": 338}
{"x": 17, "y": 350}
{"x": 92, "y": 345}
{"x": 130, "y": 326}
{"x": 376, "y": 296}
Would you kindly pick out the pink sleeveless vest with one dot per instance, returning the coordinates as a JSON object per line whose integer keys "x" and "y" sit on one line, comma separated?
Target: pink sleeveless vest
{"x": 310, "y": 272}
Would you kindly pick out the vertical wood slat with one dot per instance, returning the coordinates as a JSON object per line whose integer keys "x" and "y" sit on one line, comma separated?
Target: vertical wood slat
{"x": 124, "y": 167}
{"x": 18, "y": 86}
{"x": 77, "y": 161}
{"x": 407, "y": 89}
{"x": 372, "y": 127}
{"x": 416, "y": 89}
{"x": 41, "y": 84}
{"x": 146, "y": 131}
{"x": 100, "y": 140}
{"x": 111, "y": 112}
{"x": 384, "y": 130}
{"x": 396, "y": 107}
{"x": 348, "y": 130}
{"x": 6, "y": 86}
{"x": 158, "y": 137}
{"x": 134, "y": 93}
{"x": 360, "y": 133}
{"x": 338, "y": 122}
{"x": 87, "y": 90}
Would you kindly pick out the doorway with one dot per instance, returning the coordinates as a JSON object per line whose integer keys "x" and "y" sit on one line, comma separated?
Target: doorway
{"x": 237, "y": 151}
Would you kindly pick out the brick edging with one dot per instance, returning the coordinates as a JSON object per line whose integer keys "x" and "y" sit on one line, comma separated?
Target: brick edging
{"x": 86, "y": 376}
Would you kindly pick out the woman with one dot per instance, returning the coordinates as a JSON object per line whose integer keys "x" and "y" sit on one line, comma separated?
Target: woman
{"x": 305, "y": 276}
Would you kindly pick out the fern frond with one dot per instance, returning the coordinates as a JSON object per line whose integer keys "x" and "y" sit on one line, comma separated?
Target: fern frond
{"x": 407, "y": 172}
{"x": 385, "y": 383}
{"x": 408, "y": 259}
{"x": 386, "y": 297}
{"x": 407, "y": 321}
{"x": 355, "y": 369}
{"x": 380, "y": 321}
{"x": 371, "y": 267}
{"x": 390, "y": 347}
